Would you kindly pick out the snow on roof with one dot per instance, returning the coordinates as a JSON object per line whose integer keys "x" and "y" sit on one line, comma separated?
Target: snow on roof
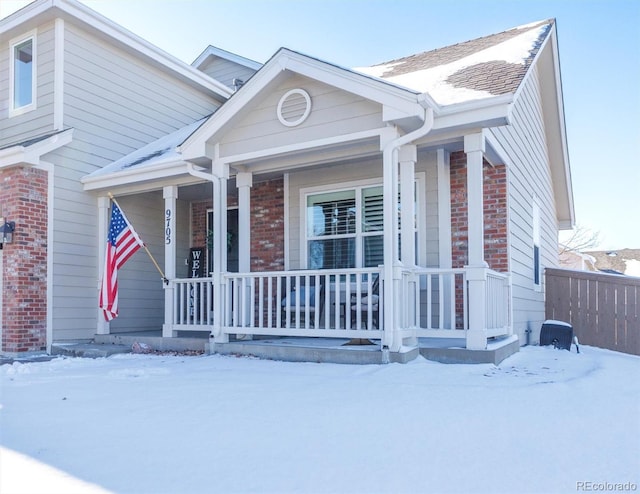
{"x": 161, "y": 150}
{"x": 472, "y": 70}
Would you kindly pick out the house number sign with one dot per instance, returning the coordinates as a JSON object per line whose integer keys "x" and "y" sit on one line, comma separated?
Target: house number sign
{"x": 167, "y": 228}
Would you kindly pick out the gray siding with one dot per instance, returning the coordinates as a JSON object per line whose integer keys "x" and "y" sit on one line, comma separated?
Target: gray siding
{"x": 333, "y": 112}
{"x": 116, "y": 104}
{"x": 529, "y": 174}
{"x": 225, "y": 71}
{"x": 39, "y": 121}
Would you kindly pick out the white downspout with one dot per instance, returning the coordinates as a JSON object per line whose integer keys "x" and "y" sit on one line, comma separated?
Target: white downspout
{"x": 391, "y": 339}
{"x": 217, "y": 249}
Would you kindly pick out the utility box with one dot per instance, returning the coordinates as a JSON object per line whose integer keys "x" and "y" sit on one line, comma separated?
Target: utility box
{"x": 556, "y": 333}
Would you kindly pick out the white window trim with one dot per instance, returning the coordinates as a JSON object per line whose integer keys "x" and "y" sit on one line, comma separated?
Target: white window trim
{"x": 420, "y": 179}
{"x": 535, "y": 224}
{"x": 32, "y": 35}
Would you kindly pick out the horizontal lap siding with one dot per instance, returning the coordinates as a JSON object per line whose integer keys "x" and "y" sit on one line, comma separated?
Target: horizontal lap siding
{"x": 116, "y": 104}
{"x": 333, "y": 112}
{"x": 39, "y": 121}
{"x": 526, "y": 146}
{"x": 120, "y": 103}
{"x": 225, "y": 71}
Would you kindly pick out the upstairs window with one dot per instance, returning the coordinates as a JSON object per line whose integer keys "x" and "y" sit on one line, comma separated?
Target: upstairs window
{"x": 23, "y": 75}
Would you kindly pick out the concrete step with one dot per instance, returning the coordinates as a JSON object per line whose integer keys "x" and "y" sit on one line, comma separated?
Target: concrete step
{"x": 88, "y": 350}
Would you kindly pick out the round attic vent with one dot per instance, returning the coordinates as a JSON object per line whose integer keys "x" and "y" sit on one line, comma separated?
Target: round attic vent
{"x": 294, "y": 107}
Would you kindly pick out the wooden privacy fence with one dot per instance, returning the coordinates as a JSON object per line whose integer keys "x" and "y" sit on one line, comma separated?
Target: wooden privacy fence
{"x": 604, "y": 309}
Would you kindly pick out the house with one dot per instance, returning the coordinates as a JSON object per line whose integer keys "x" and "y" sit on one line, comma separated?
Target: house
{"x": 415, "y": 200}
{"x": 623, "y": 261}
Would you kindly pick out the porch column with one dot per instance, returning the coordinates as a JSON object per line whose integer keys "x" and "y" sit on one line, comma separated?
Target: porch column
{"x": 103, "y": 226}
{"x": 406, "y": 302}
{"x": 220, "y": 176}
{"x": 474, "y": 147}
{"x": 170, "y": 195}
{"x": 407, "y": 156}
{"x": 244, "y": 182}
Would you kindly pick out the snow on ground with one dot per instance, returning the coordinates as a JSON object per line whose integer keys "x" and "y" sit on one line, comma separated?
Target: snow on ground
{"x": 544, "y": 420}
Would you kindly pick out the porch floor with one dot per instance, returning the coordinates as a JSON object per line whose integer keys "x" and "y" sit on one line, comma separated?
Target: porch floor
{"x": 299, "y": 349}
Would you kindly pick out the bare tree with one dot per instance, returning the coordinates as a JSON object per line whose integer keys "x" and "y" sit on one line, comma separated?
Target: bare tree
{"x": 580, "y": 239}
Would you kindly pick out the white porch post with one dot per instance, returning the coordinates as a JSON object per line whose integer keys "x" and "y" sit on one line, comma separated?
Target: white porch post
{"x": 445, "y": 261}
{"x": 244, "y": 182}
{"x": 170, "y": 195}
{"x": 103, "y": 226}
{"x": 474, "y": 147}
{"x": 219, "y": 180}
{"x": 408, "y": 155}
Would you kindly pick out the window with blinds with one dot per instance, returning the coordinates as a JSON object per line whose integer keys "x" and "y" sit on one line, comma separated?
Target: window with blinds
{"x": 344, "y": 229}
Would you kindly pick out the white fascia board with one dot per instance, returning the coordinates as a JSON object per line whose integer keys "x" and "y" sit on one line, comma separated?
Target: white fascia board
{"x": 24, "y": 14}
{"x": 195, "y": 146}
{"x": 488, "y": 112}
{"x": 76, "y": 10}
{"x": 562, "y": 123}
{"x": 227, "y": 55}
{"x": 31, "y": 155}
{"x": 404, "y": 102}
{"x": 157, "y": 171}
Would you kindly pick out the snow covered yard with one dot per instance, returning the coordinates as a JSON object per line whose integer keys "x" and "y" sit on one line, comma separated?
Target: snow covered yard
{"x": 545, "y": 420}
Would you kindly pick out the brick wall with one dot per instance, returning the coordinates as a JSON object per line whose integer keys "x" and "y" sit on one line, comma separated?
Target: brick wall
{"x": 267, "y": 224}
{"x": 495, "y": 219}
{"x": 495, "y": 214}
{"x": 23, "y": 197}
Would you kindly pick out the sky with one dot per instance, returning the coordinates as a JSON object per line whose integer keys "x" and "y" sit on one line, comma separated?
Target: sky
{"x": 599, "y": 43}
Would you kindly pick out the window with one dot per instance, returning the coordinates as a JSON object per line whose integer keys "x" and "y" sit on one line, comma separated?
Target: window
{"x": 345, "y": 228}
{"x": 23, "y": 75}
{"x": 537, "y": 282}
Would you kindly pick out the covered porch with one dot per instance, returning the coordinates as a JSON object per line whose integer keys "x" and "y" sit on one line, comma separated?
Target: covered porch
{"x": 369, "y": 233}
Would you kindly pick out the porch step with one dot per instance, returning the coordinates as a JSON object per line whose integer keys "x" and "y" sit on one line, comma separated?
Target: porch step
{"x": 156, "y": 341}
{"x": 88, "y": 350}
{"x": 452, "y": 353}
{"x": 320, "y": 350}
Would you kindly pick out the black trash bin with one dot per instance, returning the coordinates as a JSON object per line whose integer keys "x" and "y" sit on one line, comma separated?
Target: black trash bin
{"x": 556, "y": 333}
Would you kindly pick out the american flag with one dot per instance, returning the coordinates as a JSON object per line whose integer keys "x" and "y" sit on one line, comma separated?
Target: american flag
{"x": 122, "y": 243}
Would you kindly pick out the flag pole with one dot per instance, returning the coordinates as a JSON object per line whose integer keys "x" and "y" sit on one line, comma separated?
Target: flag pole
{"x": 155, "y": 263}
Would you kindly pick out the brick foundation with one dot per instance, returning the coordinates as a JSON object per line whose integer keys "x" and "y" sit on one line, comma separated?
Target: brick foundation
{"x": 23, "y": 196}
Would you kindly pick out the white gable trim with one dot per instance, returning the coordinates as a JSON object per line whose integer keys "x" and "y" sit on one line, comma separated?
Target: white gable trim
{"x": 220, "y": 53}
{"x": 120, "y": 35}
{"x": 396, "y": 101}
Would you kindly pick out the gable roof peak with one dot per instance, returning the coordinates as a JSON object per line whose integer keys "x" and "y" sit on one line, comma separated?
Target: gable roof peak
{"x": 470, "y": 70}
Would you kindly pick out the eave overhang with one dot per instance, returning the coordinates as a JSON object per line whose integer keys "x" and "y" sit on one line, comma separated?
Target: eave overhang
{"x": 41, "y": 11}
{"x": 30, "y": 153}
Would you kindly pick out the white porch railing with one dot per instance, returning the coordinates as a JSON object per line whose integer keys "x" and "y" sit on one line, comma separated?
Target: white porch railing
{"x": 193, "y": 304}
{"x": 498, "y": 300}
{"x": 332, "y": 303}
{"x": 434, "y": 302}
{"x": 339, "y": 303}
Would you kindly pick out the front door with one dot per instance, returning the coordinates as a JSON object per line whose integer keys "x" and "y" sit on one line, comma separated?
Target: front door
{"x": 232, "y": 240}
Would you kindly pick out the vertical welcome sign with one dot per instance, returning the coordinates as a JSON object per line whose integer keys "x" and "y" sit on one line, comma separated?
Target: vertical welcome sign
{"x": 196, "y": 262}
{"x": 196, "y": 266}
